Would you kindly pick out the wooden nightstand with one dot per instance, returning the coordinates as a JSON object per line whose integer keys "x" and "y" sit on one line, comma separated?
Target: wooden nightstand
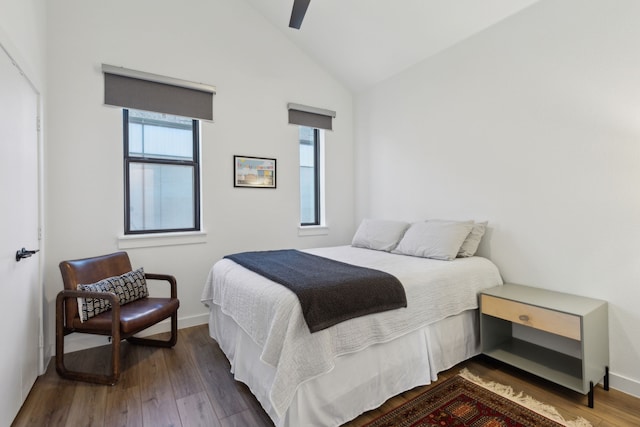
{"x": 561, "y": 337}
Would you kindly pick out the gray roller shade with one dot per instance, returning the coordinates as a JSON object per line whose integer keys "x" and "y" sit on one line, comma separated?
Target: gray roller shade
{"x": 151, "y": 92}
{"x": 313, "y": 117}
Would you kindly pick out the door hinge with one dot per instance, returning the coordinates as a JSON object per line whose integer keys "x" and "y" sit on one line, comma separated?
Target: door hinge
{"x": 38, "y": 123}
{"x": 39, "y": 233}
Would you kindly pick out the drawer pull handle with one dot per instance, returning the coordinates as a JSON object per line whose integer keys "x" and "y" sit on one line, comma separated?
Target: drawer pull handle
{"x": 523, "y": 317}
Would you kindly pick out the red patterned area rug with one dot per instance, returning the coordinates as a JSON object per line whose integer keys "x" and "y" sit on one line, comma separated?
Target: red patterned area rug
{"x": 466, "y": 400}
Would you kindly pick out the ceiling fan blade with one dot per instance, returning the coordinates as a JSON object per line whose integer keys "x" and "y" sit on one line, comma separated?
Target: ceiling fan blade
{"x": 297, "y": 14}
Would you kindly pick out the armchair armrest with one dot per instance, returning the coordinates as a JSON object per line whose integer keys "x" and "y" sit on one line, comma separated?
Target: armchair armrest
{"x": 67, "y": 293}
{"x": 167, "y": 277}
{"x": 112, "y": 297}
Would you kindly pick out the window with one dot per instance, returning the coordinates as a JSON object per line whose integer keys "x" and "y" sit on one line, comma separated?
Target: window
{"x": 312, "y": 122}
{"x": 309, "y": 176}
{"x": 162, "y": 176}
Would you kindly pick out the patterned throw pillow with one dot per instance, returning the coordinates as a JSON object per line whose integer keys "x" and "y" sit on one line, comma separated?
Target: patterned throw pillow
{"x": 131, "y": 287}
{"x": 127, "y": 287}
{"x": 90, "y": 307}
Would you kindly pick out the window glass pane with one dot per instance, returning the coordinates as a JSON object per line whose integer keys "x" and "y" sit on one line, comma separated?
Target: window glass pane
{"x": 161, "y": 136}
{"x": 308, "y": 185}
{"x": 135, "y": 139}
{"x": 161, "y": 197}
{"x": 307, "y": 146}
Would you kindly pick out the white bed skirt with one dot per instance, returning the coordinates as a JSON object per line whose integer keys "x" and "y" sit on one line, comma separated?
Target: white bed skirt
{"x": 359, "y": 381}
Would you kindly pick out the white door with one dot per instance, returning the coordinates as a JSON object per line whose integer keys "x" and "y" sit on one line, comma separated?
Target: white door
{"x": 20, "y": 292}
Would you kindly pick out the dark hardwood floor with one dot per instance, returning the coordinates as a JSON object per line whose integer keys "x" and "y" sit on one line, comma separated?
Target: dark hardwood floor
{"x": 190, "y": 385}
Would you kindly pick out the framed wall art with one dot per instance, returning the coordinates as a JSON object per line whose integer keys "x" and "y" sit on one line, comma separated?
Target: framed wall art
{"x": 254, "y": 172}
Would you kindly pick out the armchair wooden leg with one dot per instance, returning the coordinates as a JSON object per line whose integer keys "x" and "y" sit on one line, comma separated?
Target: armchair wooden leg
{"x": 108, "y": 379}
{"x": 173, "y": 339}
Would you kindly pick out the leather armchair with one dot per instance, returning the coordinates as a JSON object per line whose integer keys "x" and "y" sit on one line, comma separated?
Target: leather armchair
{"x": 120, "y": 322}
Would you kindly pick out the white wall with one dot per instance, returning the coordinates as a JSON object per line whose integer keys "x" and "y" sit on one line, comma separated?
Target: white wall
{"x": 533, "y": 125}
{"x": 256, "y": 71}
{"x": 22, "y": 33}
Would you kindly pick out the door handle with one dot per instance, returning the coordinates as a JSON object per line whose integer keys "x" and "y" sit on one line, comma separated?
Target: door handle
{"x": 23, "y": 253}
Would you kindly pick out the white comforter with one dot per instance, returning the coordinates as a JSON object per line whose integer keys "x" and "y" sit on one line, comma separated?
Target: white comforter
{"x": 271, "y": 315}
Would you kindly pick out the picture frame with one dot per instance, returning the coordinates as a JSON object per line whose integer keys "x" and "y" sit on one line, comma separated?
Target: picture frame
{"x": 254, "y": 172}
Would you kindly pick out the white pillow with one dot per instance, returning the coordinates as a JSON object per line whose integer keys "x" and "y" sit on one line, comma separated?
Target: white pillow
{"x": 436, "y": 239}
{"x": 470, "y": 245}
{"x": 379, "y": 234}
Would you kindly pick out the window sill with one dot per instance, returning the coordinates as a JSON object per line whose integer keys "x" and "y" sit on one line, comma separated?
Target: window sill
{"x": 313, "y": 230}
{"x": 161, "y": 239}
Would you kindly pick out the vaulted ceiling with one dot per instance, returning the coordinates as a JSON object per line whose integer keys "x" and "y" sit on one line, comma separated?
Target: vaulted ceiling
{"x": 363, "y": 42}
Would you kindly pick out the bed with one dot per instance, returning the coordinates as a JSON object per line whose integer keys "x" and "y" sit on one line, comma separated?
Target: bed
{"x": 329, "y": 377}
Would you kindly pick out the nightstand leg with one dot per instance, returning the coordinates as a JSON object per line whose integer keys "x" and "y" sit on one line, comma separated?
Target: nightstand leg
{"x": 606, "y": 378}
{"x": 590, "y": 397}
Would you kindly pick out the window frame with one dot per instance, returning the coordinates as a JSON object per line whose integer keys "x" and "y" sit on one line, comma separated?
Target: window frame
{"x": 194, "y": 163}
{"x": 317, "y": 180}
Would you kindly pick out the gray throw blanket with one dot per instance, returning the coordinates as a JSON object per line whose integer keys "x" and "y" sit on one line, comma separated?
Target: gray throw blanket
{"x": 329, "y": 291}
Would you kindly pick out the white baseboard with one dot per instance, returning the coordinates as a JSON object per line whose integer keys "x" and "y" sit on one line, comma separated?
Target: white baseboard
{"x": 624, "y": 384}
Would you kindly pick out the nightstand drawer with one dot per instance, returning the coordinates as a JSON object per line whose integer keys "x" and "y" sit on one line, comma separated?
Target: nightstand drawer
{"x": 544, "y": 319}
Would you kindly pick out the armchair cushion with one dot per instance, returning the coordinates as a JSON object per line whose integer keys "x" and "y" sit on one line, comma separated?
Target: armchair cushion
{"x": 128, "y": 287}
